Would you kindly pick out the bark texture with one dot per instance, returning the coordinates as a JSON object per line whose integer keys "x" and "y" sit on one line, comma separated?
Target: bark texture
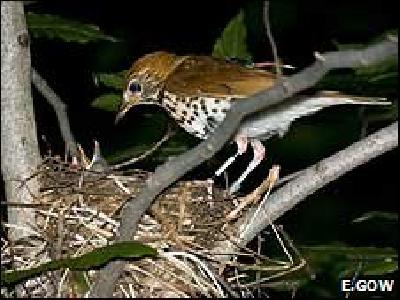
{"x": 19, "y": 144}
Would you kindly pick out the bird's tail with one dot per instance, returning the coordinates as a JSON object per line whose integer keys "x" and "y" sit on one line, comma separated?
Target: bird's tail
{"x": 278, "y": 119}
{"x": 341, "y": 98}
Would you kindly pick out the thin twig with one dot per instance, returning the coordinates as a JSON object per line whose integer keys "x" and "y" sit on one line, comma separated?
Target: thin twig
{"x": 271, "y": 39}
{"x": 60, "y": 109}
{"x": 295, "y": 250}
{"x": 276, "y": 275}
{"x": 133, "y": 160}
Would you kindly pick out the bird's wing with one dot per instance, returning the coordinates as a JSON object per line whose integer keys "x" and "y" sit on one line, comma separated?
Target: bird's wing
{"x": 206, "y": 76}
{"x": 277, "y": 120}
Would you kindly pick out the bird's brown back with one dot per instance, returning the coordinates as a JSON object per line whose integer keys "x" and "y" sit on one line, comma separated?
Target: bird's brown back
{"x": 207, "y": 76}
{"x": 195, "y": 76}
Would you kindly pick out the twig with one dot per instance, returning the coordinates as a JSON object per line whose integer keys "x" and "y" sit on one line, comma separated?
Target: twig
{"x": 60, "y": 109}
{"x": 295, "y": 250}
{"x": 271, "y": 39}
{"x": 319, "y": 175}
{"x": 173, "y": 169}
{"x": 167, "y": 135}
{"x": 276, "y": 275}
{"x": 278, "y": 237}
{"x": 166, "y": 284}
{"x": 313, "y": 178}
{"x": 202, "y": 266}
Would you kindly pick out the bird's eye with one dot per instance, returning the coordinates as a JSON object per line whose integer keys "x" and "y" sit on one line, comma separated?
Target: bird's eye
{"x": 135, "y": 87}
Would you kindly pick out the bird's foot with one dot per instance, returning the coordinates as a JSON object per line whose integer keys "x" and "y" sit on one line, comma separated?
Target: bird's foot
{"x": 255, "y": 196}
{"x": 241, "y": 142}
{"x": 259, "y": 155}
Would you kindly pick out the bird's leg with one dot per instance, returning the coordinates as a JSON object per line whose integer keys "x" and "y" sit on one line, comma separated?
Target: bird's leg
{"x": 241, "y": 142}
{"x": 259, "y": 154}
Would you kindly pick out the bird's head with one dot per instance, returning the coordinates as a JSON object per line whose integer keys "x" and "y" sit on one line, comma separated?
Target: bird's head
{"x": 146, "y": 80}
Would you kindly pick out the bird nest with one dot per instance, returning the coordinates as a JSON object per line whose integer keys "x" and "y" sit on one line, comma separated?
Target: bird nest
{"x": 77, "y": 211}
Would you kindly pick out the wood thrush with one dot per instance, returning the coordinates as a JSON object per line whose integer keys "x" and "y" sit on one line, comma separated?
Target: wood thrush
{"x": 197, "y": 91}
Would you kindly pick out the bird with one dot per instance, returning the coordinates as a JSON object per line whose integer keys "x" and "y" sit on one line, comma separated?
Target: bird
{"x": 197, "y": 91}
{"x": 97, "y": 164}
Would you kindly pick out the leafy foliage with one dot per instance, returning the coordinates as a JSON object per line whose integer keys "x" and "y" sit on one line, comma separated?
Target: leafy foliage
{"x": 342, "y": 260}
{"x": 108, "y": 102}
{"x": 93, "y": 259}
{"x": 232, "y": 43}
{"x": 329, "y": 263}
{"x": 52, "y": 26}
{"x": 111, "y": 80}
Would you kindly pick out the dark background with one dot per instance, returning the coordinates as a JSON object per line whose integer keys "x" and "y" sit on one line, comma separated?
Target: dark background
{"x": 183, "y": 27}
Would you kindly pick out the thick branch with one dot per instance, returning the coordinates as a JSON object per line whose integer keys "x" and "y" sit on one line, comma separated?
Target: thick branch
{"x": 19, "y": 147}
{"x": 172, "y": 170}
{"x": 319, "y": 175}
{"x": 60, "y": 109}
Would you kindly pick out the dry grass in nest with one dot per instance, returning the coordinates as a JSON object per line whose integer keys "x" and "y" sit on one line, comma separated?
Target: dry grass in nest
{"x": 78, "y": 211}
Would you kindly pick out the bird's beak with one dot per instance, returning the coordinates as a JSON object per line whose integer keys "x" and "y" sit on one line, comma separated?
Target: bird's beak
{"x": 122, "y": 111}
{"x": 127, "y": 103}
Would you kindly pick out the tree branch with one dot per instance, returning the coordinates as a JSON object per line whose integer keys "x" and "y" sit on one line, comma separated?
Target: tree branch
{"x": 19, "y": 147}
{"x": 317, "y": 176}
{"x": 172, "y": 170}
{"x": 60, "y": 109}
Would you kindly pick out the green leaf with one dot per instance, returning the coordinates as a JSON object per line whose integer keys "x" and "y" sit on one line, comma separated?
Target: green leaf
{"x": 380, "y": 268}
{"x": 112, "y": 80}
{"x": 90, "y": 260}
{"x": 52, "y": 26}
{"x": 342, "y": 261}
{"x": 232, "y": 43}
{"x": 351, "y": 252}
{"x": 108, "y": 102}
{"x": 368, "y": 268}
